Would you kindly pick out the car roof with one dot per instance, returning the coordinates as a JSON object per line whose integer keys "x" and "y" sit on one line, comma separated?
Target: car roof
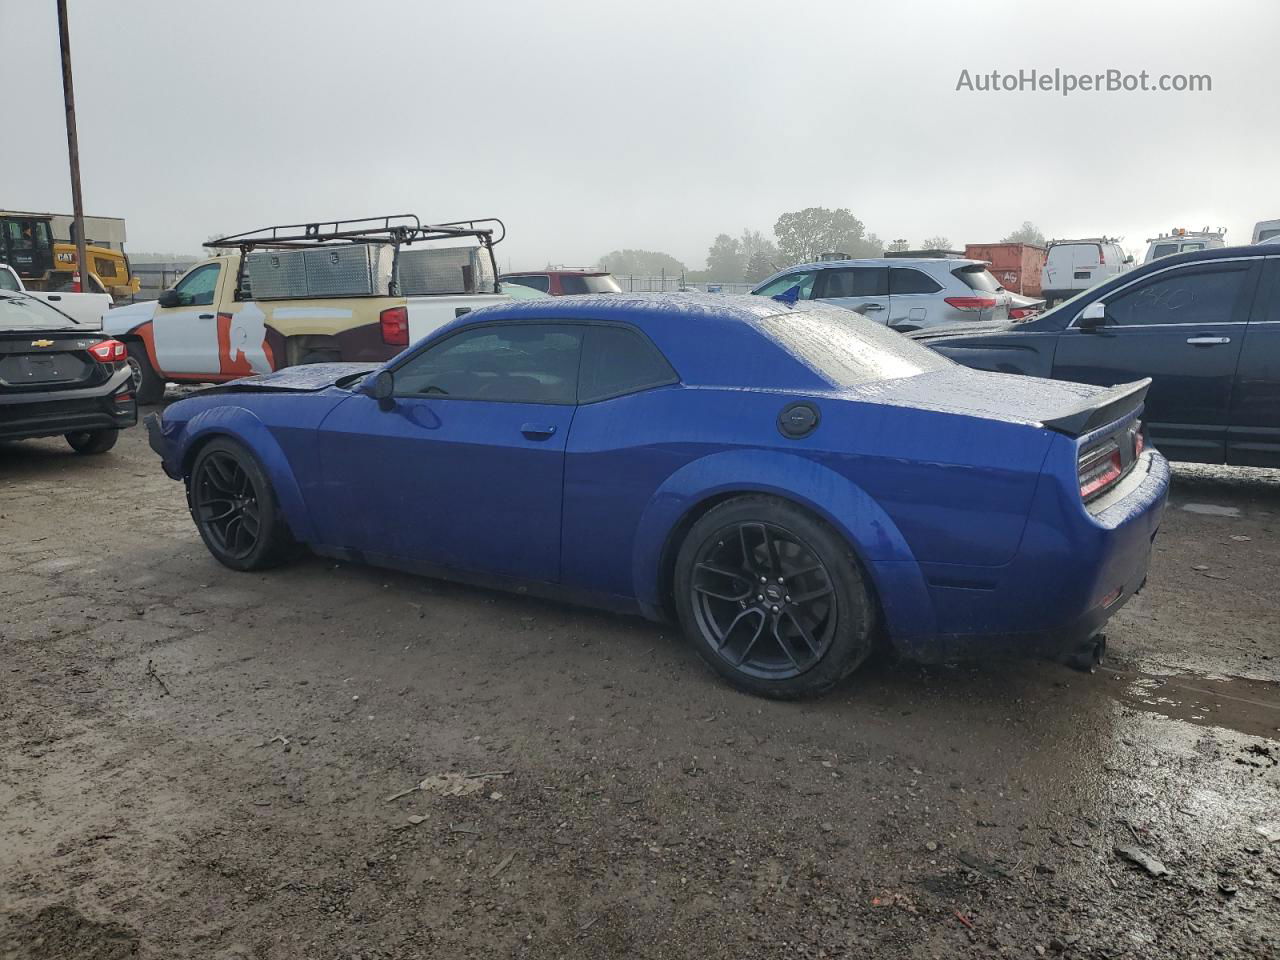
{"x": 711, "y": 339}
{"x": 878, "y": 262}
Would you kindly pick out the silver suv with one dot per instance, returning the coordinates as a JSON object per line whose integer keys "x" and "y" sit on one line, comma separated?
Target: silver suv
{"x": 903, "y": 293}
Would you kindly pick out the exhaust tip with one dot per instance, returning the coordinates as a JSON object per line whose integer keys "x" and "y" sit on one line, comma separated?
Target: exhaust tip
{"x": 1089, "y": 654}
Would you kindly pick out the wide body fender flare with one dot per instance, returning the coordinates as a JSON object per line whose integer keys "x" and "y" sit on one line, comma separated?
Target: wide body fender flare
{"x": 242, "y": 425}
{"x": 874, "y": 538}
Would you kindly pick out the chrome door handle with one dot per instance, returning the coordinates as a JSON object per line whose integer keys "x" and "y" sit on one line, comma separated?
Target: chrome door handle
{"x": 872, "y": 306}
{"x": 1207, "y": 341}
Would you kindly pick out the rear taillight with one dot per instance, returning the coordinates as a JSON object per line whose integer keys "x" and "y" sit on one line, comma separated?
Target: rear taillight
{"x": 1019, "y": 313}
{"x": 972, "y": 303}
{"x": 395, "y": 326}
{"x": 123, "y": 397}
{"x": 1099, "y": 468}
{"x": 1138, "y": 442}
{"x": 109, "y": 351}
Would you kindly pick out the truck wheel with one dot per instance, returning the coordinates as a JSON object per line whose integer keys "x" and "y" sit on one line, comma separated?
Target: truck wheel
{"x": 148, "y": 387}
{"x": 93, "y": 441}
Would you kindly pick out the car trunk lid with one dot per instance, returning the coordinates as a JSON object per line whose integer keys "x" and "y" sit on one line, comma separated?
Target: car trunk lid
{"x": 39, "y": 359}
{"x": 1069, "y": 408}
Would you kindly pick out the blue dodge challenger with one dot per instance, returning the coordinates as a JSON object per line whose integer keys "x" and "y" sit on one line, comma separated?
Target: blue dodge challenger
{"x": 790, "y": 484}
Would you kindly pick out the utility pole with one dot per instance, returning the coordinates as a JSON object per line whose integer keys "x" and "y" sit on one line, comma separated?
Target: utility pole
{"x": 81, "y": 277}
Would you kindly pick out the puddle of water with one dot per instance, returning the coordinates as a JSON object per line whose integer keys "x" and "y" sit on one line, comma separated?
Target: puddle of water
{"x": 1247, "y": 706}
{"x": 1211, "y": 509}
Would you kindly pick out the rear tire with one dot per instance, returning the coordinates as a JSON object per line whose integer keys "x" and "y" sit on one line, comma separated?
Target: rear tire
{"x": 148, "y": 386}
{"x": 236, "y": 510}
{"x": 773, "y": 599}
{"x": 92, "y": 442}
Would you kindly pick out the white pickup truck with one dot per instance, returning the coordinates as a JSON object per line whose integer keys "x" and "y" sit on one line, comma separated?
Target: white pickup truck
{"x": 306, "y": 293}
{"x": 84, "y": 308}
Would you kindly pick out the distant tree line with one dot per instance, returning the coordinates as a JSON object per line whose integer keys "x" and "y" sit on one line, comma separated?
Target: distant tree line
{"x": 799, "y": 236}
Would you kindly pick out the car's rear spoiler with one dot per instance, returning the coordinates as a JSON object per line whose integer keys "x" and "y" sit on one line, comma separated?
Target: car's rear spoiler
{"x": 1101, "y": 409}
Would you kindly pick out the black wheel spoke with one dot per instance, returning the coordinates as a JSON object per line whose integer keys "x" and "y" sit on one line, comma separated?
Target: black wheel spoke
{"x": 737, "y": 577}
{"x": 804, "y": 633}
{"x": 783, "y": 645}
{"x": 802, "y": 598}
{"x": 752, "y": 642}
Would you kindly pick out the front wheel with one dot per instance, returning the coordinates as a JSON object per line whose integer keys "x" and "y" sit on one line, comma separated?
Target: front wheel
{"x": 91, "y": 442}
{"x": 772, "y": 598}
{"x": 235, "y": 509}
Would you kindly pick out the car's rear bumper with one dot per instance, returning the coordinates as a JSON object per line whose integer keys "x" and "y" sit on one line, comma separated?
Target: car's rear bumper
{"x": 55, "y": 412}
{"x": 1073, "y": 572}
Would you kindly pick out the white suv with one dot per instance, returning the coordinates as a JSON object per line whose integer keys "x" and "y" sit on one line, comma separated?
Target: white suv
{"x": 905, "y": 293}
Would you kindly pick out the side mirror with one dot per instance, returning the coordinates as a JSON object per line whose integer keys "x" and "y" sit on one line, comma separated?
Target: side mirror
{"x": 1093, "y": 316}
{"x": 1129, "y": 258}
{"x": 384, "y": 388}
{"x": 170, "y": 298}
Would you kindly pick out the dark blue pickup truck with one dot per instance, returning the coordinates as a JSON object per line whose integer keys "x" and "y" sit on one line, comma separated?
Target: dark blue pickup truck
{"x": 1204, "y": 326}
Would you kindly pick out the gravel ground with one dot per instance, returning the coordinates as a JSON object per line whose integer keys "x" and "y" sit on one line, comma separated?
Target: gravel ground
{"x": 198, "y": 763}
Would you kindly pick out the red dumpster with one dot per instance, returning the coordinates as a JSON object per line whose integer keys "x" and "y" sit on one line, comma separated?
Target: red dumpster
{"x": 1016, "y": 266}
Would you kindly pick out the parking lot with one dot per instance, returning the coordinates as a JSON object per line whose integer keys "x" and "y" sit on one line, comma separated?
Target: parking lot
{"x": 198, "y": 763}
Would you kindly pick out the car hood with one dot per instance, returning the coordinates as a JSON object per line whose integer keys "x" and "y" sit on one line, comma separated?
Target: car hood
{"x": 1060, "y": 405}
{"x": 308, "y": 378}
{"x": 120, "y": 320}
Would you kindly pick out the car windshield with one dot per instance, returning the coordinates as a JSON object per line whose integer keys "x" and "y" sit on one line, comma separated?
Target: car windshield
{"x": 846, "y": 350}
{"x": 27, "y": 313}
{"x": 572, "y": 283}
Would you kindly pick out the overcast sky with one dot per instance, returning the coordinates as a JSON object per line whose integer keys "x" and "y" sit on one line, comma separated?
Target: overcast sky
{"x": 590, "y": 125}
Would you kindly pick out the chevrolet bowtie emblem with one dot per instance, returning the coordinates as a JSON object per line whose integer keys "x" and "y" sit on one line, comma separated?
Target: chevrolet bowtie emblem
{"x": 42, "y": 343}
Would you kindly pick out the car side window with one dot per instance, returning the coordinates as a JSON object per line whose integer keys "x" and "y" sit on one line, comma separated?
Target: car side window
{"x": 1195, "y": 295}
{"x": 903, "y": 280}
{"x": 505, "y": 363}
{"x": 197, "y": 288}
{"x": 803, "y": 280}
{"x": 616, "y": 361}
{"x": 542, "y": 283}
{"x": 855, "y": 282}
{"x": 8, "y": 281}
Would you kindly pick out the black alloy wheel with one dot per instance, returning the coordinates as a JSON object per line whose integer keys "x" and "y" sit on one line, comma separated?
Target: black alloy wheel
{"x": 772, "y": 598}
{"x": 764, "y": 600}
{"x": 235, "y": 508}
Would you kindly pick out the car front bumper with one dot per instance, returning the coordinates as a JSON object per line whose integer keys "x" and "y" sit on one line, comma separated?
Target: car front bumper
{"x": 51, "y": 413}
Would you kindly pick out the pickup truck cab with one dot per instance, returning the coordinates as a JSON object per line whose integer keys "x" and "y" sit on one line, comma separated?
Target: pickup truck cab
{"x": 1204, "y": 326}
{"x": 210, "y": 327}
{"x": 85, "y": 309}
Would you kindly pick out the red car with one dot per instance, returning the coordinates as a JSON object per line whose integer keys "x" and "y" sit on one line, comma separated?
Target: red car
{"x": 563, "y": 283}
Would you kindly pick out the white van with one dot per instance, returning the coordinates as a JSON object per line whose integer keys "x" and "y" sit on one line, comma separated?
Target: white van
{"x": 1180, "y": 240}
{"x": 1074, "y": 265}
{"x": 1266, "y": 230}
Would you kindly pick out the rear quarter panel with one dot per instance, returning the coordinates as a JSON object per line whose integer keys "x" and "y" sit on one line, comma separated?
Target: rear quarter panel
{"x": 904, "y": 486}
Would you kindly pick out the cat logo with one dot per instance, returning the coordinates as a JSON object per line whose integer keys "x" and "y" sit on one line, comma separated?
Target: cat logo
{"x": 42, "y": 343}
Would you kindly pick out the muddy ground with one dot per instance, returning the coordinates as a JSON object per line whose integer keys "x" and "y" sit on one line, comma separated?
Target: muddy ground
{"x": 197, "y": 763}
